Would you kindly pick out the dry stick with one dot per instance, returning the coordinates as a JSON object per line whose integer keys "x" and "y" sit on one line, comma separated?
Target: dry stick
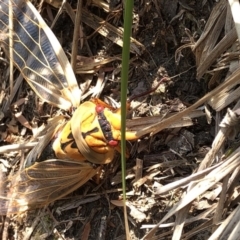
{"x": 133, "y": 97}
{"x": 17, "y": 147}
{"x": 197, "y": 229}
{"x": 76, "y": 35}
{"x": 212, "y": 38}
{"x": 208, "y": 27}
{"x": 220, "y": 48}
{"x": 109, "y": 31}
{"x": 201, "y": 216}
{"x": 232, "y": 182}
{"x": 5, "y": 228}
{"x": 102, "y": 228}
{"x": 220, "y": 206}
{"x": 139, "y": 169}
{"x": 181, "y": 216}
{"x": 101, "y": 4}
{"x": 194, "y": 177}
{"x": 17, "y": 84}
{"x": 60, "y": 10}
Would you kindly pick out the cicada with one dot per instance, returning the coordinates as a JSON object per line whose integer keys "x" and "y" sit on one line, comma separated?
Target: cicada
{"x": 79, "y": 146}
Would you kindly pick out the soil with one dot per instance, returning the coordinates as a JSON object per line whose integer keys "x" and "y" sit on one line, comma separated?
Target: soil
{"x": 90, "y": 213}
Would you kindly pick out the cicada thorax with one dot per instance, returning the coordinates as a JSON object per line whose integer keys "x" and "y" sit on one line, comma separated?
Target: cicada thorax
{"x": 105, "y": 125}
{"x": 110, "y": 122}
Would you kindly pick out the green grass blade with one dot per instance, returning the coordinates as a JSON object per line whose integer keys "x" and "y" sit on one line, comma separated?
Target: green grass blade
{"x": 124, "y": 81}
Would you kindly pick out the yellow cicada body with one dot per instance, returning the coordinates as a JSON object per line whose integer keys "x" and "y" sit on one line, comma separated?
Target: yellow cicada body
{"x": 92, "y": 135}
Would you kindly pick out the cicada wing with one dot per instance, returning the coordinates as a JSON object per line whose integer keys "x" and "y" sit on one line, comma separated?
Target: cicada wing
{"x": 45, "y": 182}
{"x": 38, "y": 54}
{"x": 48, "y": 133}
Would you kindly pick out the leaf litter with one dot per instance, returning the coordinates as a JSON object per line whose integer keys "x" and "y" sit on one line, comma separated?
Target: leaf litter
{"x": 183, "y": 186}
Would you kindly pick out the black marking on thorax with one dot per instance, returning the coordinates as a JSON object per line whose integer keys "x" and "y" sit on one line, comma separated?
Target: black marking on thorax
{"x": 105, "y": 126}
{"x": 94, "y": 130}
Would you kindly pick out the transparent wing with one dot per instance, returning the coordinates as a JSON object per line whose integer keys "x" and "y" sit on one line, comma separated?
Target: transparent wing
{"x": 38, "y": 54}
{"x": 48, "y": 133}
{"x": 43, "y": 183}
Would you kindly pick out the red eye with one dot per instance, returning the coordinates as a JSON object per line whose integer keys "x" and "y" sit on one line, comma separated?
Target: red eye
{"x": 113, "y": 143}
{"x": 99, "y": 108}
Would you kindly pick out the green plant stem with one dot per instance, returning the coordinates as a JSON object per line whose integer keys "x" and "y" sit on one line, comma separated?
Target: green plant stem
{"x": 124, "y": 81}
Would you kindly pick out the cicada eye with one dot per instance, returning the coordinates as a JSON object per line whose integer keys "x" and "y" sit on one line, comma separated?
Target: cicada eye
{"x": 99, "y": 108}
{"x": 113, "y": 143}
